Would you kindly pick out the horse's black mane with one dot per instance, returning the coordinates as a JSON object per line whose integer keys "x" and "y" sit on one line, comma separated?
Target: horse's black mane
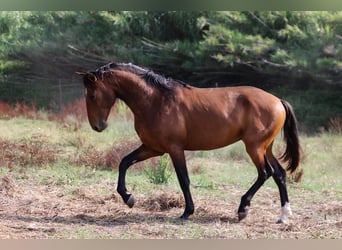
{"x": 154, "y": 79}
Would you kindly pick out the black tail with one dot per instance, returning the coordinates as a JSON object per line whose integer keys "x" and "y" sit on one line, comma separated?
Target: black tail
{"x": 292, "y": 152}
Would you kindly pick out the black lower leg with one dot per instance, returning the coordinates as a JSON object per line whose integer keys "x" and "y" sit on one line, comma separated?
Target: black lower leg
{"x": 179, "y": 164}
{"x": 263, "y": 175}
{"x": 140, "y": 154}
{"x": 121, "y": 188}
{"x": 246, "y": 198}
{"x": 185, "y": 186}
{"x": 279, "y": 177}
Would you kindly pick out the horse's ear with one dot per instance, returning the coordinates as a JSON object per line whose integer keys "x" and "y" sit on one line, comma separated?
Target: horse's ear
{"x": 89, "y": 79}
{"x": 81, "y": 74}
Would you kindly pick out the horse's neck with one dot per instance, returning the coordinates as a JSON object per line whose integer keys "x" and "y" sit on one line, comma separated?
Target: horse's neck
{"x": 135, "y": 93}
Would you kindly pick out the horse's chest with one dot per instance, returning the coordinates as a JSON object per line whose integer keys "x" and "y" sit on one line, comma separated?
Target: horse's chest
{"x": 157, "y": 134}
{"x": 148, "y": 134}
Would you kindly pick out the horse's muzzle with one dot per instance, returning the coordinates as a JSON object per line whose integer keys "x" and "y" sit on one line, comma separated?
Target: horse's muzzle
{"x": 100, "y": 127}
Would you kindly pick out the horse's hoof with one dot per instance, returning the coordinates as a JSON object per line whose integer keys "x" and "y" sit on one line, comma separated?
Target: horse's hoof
{"x": 242, "y": 215}
{"x": 130, "y": 202}
{"x": 243, "y": 211}
{"x": 184, "y": 217}
{"x": 282, "y": 221}
{"x": 187, "y": 213}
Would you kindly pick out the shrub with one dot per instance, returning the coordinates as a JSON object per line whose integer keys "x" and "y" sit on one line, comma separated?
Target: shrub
{"x": 335, "y": 125}
{"x": 5, "y": 110}
{"x": 24, "y": 110}
{"x": 36, "y": 151}
{"x": 160, "y": 172}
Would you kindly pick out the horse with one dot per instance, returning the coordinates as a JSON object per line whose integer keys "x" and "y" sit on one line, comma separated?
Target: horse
{"x": 171, "y": 116}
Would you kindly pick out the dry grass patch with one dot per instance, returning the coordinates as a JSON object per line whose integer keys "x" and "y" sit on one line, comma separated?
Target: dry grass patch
{"x": 162, "y": 201}
{"x": 36, "y": 151}
{"x": 30, "y": 210}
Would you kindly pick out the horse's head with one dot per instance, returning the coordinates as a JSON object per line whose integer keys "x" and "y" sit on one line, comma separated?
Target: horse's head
{"x": 99, "y": 100}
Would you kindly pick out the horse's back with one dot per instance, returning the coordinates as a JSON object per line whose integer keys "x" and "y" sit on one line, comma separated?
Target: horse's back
{"x": 221, "y": 116}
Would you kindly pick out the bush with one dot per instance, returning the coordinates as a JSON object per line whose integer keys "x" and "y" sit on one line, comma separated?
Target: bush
{"x": 159, "y": 173}
{"x": 35, "y": 151}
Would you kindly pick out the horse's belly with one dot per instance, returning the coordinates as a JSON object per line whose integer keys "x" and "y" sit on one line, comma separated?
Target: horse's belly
{"x": 208, "y": 141}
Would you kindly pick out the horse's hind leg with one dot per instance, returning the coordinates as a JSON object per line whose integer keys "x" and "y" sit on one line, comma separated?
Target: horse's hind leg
{"x": 279, "y": 177}
{"x": 257, "y": 155}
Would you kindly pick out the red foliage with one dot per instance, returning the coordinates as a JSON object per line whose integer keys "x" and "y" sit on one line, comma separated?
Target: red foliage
{"x": 76, "y": 109}
{"x": 18, "y": 110}
{"x": 27, "y": 111}
{"x": 6, "y": 110}
{"x": 36, "y": 152}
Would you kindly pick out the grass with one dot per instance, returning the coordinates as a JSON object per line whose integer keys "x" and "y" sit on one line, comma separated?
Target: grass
{"x": 323, "y": 162}
{"x": 63, "y": 177}
{"x": 159, "y": 173}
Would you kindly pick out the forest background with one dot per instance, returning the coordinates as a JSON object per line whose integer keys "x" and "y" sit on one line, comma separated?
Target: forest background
{"x": 296, "y": 55}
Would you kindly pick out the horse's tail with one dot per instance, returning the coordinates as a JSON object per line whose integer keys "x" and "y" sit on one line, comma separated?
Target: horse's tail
{"x": 292, "y": 152}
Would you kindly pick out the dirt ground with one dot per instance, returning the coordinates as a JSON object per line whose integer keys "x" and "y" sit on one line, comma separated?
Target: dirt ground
{"x": 32, "y": 211}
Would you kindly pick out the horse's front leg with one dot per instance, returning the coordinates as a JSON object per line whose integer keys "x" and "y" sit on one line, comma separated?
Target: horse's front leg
{"x": 140, "y": 154}
{"x": 178, "y": 160}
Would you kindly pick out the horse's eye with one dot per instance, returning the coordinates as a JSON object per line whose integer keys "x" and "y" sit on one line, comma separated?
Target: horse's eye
{"x": 92, "y": 97}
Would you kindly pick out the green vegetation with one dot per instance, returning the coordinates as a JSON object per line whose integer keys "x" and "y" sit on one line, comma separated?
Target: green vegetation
{"x": 159, "y": 174}
{"x": 294, "y": 53}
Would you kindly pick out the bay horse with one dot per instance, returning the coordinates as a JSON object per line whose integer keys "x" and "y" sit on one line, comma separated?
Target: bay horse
{"x": 171, "y": 116}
